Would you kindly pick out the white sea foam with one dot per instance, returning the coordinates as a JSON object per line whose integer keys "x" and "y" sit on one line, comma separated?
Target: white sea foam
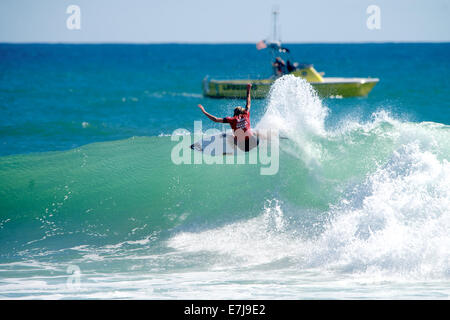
{"x": 296, "y": 111}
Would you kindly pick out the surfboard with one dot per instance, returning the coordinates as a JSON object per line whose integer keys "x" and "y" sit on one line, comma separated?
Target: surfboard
{"x": 220, "y": 144}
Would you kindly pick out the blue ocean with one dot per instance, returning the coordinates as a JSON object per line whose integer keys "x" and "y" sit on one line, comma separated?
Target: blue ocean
{"x": 92, "y": 205}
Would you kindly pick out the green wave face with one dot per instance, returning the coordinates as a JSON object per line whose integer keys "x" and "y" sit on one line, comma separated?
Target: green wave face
{"x": 104, "y": 191}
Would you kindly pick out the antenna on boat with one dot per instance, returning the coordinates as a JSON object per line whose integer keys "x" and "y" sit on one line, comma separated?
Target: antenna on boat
{"x": 275, "y": 13}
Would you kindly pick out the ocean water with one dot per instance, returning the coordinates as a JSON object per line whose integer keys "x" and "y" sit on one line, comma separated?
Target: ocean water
{"x": 92, "y": 205}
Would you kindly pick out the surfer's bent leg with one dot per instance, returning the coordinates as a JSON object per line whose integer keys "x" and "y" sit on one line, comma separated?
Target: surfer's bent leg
{"x": 248, "y": 144}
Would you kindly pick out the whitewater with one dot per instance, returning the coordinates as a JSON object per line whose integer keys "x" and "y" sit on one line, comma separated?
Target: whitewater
{"x": 359, "y": 209}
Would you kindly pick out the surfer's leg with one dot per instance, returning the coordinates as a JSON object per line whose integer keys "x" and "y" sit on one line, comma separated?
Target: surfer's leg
{"x": 251, "y": 142}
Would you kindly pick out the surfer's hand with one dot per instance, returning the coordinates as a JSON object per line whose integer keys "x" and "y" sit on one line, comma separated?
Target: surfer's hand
{"x": 201, "y": 107}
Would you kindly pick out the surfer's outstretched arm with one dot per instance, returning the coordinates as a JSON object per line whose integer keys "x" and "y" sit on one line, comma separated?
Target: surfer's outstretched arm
{"x": 210, "y": 116}
{"x": 249, "y": 98}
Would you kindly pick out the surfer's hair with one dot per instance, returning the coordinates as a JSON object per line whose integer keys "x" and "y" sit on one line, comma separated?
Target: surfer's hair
{"x": 238, "y": 111}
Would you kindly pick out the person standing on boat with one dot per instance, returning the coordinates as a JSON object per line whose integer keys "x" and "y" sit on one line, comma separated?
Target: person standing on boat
{"x": 279, "y": 66}
{"x": 291, "y": 66}
{"x": 240, "y": 123}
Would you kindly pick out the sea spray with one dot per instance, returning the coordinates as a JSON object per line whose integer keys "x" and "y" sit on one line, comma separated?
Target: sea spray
{"x": 395, "y": 223}
{"x": 295, "y": 110}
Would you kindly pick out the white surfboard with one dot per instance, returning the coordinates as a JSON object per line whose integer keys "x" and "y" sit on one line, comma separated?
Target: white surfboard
{"x": 220, "y": 144}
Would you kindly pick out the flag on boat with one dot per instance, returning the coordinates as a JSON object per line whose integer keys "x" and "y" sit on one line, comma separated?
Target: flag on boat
{"x": 261, "y": 45}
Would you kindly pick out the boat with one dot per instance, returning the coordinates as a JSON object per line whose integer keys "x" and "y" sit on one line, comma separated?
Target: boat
{"x": 326, "y": 87}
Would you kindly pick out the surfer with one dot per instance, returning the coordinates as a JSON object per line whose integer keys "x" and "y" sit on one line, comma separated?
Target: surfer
{"x": 240, "y": 123}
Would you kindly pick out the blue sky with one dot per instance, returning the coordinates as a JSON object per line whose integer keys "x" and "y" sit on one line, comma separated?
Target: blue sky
{"x": 224, "y": 21}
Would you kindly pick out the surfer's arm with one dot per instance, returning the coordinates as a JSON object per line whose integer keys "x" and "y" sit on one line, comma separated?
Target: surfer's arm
{"x": 249, "y": 98}
{"x": 210, "y": 116}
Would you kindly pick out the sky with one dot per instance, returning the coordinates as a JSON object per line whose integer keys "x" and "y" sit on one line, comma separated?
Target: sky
{"x": 223, "y": 21}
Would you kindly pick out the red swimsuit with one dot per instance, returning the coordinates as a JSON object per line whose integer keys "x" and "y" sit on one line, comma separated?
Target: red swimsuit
{"x": 241, "y": 128}
{"x": 242, "y": 122}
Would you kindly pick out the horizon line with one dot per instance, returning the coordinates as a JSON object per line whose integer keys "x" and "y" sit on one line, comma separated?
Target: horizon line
{"x": 225, "y": 42}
